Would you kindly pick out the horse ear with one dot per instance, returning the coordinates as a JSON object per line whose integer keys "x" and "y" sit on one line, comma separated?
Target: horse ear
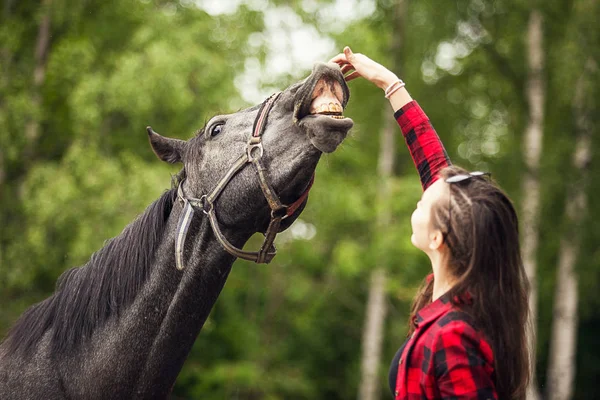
{"x": 167, "y": 149}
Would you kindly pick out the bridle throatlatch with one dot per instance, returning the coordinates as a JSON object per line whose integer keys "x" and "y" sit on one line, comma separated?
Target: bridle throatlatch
{"x": 279, "y": 211}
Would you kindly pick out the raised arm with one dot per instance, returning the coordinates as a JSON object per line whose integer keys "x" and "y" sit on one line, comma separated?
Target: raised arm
{"x": 426, "y": 148}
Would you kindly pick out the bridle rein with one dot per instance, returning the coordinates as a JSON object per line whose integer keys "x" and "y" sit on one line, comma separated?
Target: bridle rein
{"x": 279, "y": 211}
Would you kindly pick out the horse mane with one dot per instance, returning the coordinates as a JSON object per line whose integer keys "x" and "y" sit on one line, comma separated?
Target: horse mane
{"x": 87, "y": 296}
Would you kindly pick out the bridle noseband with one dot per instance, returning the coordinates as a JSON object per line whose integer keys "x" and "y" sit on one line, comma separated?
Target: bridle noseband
{"x": 279, "y": 211}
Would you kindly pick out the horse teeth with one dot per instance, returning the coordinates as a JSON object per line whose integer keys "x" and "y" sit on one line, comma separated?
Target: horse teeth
{"x": 333, "y": 107}
{"x": 330, "y": 109}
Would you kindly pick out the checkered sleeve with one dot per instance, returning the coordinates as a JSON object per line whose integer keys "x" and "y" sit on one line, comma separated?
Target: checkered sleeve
{"x": 463, "y": 363}
{"x": 425, "y": 146}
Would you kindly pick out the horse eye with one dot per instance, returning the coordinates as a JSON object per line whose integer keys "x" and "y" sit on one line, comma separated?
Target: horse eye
{"x": 216, "y": 130}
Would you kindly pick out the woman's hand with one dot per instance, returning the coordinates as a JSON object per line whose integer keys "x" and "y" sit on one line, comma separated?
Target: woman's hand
{"x": 365, "y": 67}
{"x": 361, "y": 65}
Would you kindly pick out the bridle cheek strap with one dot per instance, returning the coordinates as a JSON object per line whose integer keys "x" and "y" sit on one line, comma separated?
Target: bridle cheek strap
{"x": 182, "y": 228}
{"x": 253, "y": 155}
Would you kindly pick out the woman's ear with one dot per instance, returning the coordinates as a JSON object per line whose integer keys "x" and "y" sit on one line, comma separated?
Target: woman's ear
{"x": 436, "y": 239}
{"x": 167, "y": 149}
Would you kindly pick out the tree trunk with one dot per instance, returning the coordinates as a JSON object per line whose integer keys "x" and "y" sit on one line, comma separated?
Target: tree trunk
{"x": 376, "y": 305}
{"x": 535, "y": 92}
{"x": 32, "y": 127}
{"x": 561, "y": 368}
{"x": 377, "y": 302}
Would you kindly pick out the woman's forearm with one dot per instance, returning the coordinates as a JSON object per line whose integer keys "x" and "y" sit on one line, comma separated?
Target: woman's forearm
{"x": 426, "y": 148}
{"x": 399, "y": 99}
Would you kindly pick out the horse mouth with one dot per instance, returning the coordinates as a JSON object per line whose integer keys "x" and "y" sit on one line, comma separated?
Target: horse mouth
{"x": 320, "y": 106}
{"x": 328, "y": 97}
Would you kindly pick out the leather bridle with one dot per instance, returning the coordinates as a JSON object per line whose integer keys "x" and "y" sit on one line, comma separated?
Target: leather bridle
{"x": 279, "y": 211}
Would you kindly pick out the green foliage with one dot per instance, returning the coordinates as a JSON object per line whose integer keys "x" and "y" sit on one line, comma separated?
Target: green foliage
{"x": 70, "y": 212}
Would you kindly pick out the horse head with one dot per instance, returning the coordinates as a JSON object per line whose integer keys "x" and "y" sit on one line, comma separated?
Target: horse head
{"x": 252, "y": 169}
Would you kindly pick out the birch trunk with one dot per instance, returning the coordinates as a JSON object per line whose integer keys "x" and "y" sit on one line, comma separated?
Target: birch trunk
{"x": 561, "y": 368}
{"x": 377, "y": 303}
{"x": 535, "y": 92}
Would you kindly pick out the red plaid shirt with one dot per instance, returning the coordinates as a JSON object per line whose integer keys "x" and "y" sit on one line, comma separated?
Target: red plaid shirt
{"x": 425, "y": 146}
{"x": 446, "y": 357}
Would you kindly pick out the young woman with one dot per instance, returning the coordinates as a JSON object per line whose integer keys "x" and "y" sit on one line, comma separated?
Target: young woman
{"x": 467, "y": 333}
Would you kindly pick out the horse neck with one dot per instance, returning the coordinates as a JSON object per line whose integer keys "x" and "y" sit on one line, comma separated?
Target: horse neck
{"x": 153, "y": 338}
{"x": 203, "y": 278}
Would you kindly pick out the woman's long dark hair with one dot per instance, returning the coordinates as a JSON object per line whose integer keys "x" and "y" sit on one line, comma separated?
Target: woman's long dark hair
{"x": 481, "y": 228}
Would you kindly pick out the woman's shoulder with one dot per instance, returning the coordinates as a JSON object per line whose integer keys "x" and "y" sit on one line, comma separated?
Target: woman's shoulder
{"x": 458, "y": 329}
{"x": 456, "y": 316}
{"x": 457, "y": 319}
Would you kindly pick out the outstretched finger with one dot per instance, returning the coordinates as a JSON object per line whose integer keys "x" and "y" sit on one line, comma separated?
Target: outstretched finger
{"x": 352, "y": 76}
{"x": 347, "y": 68}
{"x": 339, "y": 59}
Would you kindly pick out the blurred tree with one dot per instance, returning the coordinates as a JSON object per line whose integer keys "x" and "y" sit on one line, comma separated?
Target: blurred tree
{"x": 376, "y": 309}
{"x": 561, "y": 368}
{"x": 562, "y": 365}
{"x": 530, "y": 189}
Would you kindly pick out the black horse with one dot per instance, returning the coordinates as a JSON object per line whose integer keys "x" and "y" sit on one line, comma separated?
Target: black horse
{"x": 121, "y": 326}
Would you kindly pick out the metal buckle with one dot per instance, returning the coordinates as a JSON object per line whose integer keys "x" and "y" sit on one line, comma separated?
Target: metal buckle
{"x": 250, "y": 150}
{"x": 279, "y": 213}
{"x": 205, "y": 209}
